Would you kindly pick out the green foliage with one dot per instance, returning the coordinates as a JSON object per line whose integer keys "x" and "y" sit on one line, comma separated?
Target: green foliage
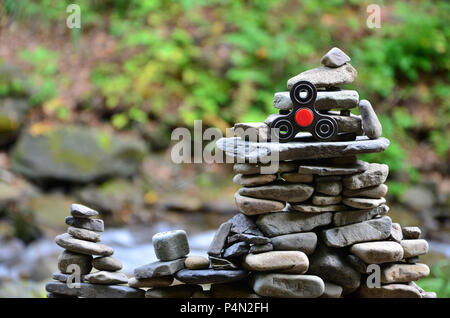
{"x": 439, "y": 279}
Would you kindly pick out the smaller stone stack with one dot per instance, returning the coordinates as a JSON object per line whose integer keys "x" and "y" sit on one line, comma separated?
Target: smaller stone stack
{"x": 81, "y": 243}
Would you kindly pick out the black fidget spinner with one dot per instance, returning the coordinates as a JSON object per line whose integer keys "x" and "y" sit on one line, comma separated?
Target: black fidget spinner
{"x": 304, "y": 117}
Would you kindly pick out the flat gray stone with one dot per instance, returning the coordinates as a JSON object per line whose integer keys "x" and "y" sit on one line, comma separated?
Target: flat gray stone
{"x": 158, "y": 269}
{"x": 236, "y": 250}
{"x": 319, "y": 199}
{"x": 372, "y": 230}
{"x": 170, "y": 245}
{"x": 107, "y": 263}
{"x": 248, "y": 238}
{"x": 301, "y": 149}
{"x": 378, "y": 252}
{"x": 295, "y": 177}
{"x": 81, "y": 211}
{"x": 356, "y": 216}
{"x": 411, "y": 232}
{"x": 370, "y": 123}
{"x": 308, "y": 208}
{"x": 162, "y": 281}
{"x": 330, "y": 169}
{"x": 374, "y": 175}
{"x": 210, "y": 276}
{"x": 396, "y": 233}
{"x": 177, "y": 291}
{"x": 280, "y": 192}
{"x": 253, "y": 206}
{"x": 363, "y": 203}
{"x": 294, "y": 262}
{"x": 106, "y": 278}
{"x": 87, "y": 224}
{"x": 403, "y": 273}
{"x": 280, "y": 223}
{"x": 83, "y": 247}
{"x": 324, "y": 76}
{"x": 287, "y": 285}
{"x": 332, "y": 290}
{"x": 413, "y": 248}
{"x": 335, "y": 58}
{"x": 328, "y": 187}
{"x": 83, "y": 234}
{"x": 374, "y": 192}
{"x": 247, "y": 168}
{"x": 243, "y": 224}
{"x": 95, "y": 290}
{"x": 220, "y": 237}
{"x": 256, "y": 249}
{"x": 326, "y": 100}
{"x": 251, "y": 180}
{"x": 332, "y": 266}
{"x": 67, "y": 258}
{"x": 64, "y": 277}
{"x": 304, "y": 242}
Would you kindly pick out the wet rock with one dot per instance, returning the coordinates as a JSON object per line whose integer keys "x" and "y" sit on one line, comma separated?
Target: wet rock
{"x": 254, "y": 180}
{"x": 280, "y": 223}
{"x": 170, "y": 245}
{"x": 413, "y": 248}
{"x": 252, "y": 206}
{"x": 196, "y": 262}
{"x": 376, "y": 174}
{"x": 107, "y": 278}
{"x": 107, "y": 263}
{"x": 378, "y": 252}
{"x": 294, "y": 262}
{"x": 304, "y": 242}
{"x": 87, "y": 224}
{"x": 84, "y": 247}
{"x": 363, "y": 203}
{"x": 94, "y": 290}
{"x": 372, "y": 230}
{"x": 375, "y": 192}
{"x": 67, "y": 258}
{"x": 56, "y": 154}
{"x": 403, "y": 273}
{"x": 370, "y": 123}
{"x": 210, "y": 276}
{"x": 324, "y": 76}
{"x": 281, "y": 192}
{"x": 161, "y": 281}
{"x": 83, "y": 234}
{"x": 335, "y": 58}
{"x": 158, "y": 269}
{"x": 356, "y": 216}
{"x": 287, "y": 285}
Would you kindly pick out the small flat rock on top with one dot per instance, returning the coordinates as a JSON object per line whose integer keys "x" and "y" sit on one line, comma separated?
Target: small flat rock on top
{"x": 326, "y": 100}
{"x": 335, "y": 58}
{"x": 301, "y": 148}
{"x": 81, "y": 211}
{"x": 330, "y": 170}
{"x": 324, "y": 76}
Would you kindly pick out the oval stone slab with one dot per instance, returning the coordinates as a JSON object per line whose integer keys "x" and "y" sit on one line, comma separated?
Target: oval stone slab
{"x": 326, "y": 100}
{"x": 84, "y": 247}
{"x": 87, "y": 224}
{"x": 196, "y": 262}
{"x": 363, "y": 203}
{"x": 248, "y": 168}
{"x": 210, "y": 276}
{"x": 404, "y": 273}
{"x": 374, "y": 175}
{"x": 287, "y": 285}
{"x": 107, "y": 278}
{"x": 281, "y": 192}
{"x": 295, "y": 262}
{"x": 389, "y": 291}
{"x": 304, "y": 242}
{"x": 413, "y": 248}
{"x": 378, "y": 252}
{"x": 332, "y": 170}
{"x": 157, "y": 269}
{"x": 83, "y": 234}
{"x": 252, "y": 206}
{"x": 254, "y": 179}
{"x": 374, "y": 192}
{"x": 324, "y": 76}
{"x": 107, "y": 263}
{"x": 81, "y": 211}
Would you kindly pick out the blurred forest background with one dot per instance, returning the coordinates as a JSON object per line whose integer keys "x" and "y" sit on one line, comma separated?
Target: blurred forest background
{"x": 138, "y": 69}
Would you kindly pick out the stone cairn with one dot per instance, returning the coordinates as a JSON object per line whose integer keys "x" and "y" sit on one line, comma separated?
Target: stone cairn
{"x": 81, "y": 242}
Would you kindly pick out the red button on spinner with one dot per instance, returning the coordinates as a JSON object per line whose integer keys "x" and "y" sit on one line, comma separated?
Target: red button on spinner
{"x": 304, "y": 117}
